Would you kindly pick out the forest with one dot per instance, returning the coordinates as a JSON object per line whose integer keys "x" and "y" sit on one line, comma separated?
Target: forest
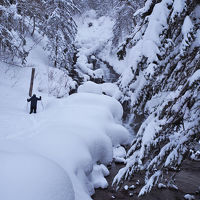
{"x": 145, "y": 55}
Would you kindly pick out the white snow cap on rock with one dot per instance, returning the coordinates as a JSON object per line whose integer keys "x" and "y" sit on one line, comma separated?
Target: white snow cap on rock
{"x": 119, "y": 154}
{"x": 189, "y": 197}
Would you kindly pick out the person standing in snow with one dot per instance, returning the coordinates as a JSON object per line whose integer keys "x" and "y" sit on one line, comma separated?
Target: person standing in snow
{"x": 33, "y": 100}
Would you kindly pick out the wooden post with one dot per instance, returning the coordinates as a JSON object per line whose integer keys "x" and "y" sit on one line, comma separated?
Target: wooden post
{"x": 31, "y": 83}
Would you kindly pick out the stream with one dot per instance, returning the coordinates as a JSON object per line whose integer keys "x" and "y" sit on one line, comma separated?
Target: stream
{"x": 187, "y": 180}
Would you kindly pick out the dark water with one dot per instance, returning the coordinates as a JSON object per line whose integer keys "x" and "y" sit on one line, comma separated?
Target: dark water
{"x": 187, "y": 180}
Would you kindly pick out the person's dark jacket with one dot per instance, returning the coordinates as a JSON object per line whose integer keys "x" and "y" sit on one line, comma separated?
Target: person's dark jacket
{"x": 34, "y": 100}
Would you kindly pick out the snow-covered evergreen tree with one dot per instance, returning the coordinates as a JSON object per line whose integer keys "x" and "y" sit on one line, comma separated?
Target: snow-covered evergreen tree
{"x": 102, "y": 7}
{"x": 53, "y": 19}
{"x": 124, "y": 19}
{"x": 12, "y": 33}
{"x": 60, "y": 30}
{"x": 161, "y": 86}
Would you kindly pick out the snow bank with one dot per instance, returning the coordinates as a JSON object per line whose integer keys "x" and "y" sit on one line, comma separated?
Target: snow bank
{"x": 109, "y": 89}
{"x": 62, "y": 152}
{"x": 30, "y": 177}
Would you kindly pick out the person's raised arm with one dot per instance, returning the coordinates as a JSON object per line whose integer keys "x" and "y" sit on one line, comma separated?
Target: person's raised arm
{"x": 39, "y": 98}
{"x": 29, "y": 99}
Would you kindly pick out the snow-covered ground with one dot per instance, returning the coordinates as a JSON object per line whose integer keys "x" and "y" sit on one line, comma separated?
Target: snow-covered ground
{"x": 62, "y": 151}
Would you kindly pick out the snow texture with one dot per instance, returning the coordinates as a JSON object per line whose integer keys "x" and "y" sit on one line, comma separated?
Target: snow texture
{"x": 93, "y": 34}
{"x": 60, "y": 153}
{"x": 109, "y": 89}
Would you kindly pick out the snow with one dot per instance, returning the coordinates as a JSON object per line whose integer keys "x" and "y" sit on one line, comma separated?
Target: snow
{"x": 148, "y": 46}
{"x": 27, "y": 176}
{"x": 63, "y": 150}
{"x": 189, "y": 197}
{"x": 156, "y": 100}
{"x": 194, "y": 77}
{"x": 93, "y": 34}
{"x": 178, "y": 7}
{"x": 187, "y": 29}
{"x": 132, "y": 187}
{"x": 161, "y": 185}
{"x": 47, "y": 79}
{"x": 59, "y": 83}
{"x": 195, "y": 155}
{"x": 131, "y": 194}
{"x": 157, "y": 23}
{"x": 109, "y": 89}
{"x": 126, "y": 187}
{"x": 197, "y": 40}
{"x": 119, "y": 154}
{"x": 187, "y": 26}
{"x": 150, "y": 182}
{"x": 146, "y": 7}
{"x": 97, "y": 176}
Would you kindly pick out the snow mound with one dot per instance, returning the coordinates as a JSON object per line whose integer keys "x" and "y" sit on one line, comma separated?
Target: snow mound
{"x": 109, "y": 89}
{"x": 96, "y": 177}
{"x": 27, "y": 176}
{"x": 119, "y": 154}
{"x": 63, "y": 151}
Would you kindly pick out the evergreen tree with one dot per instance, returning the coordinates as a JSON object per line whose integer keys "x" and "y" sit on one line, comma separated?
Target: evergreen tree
{"x": 125, "y": 21}
{"x": 162, "y": 87}
{"x": 12, "y": 33}
{"x": 60, "y": 30}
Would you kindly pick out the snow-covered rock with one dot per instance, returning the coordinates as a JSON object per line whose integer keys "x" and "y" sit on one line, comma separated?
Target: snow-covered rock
{"x": 126, "y": 187}
{"x": 109, "y": 89}
{"x": 119, "y": 154}
{"x": 189, "y": 197}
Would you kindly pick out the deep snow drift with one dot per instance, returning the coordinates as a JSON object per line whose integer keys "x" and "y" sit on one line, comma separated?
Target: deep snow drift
{"x": 61, "y": 152}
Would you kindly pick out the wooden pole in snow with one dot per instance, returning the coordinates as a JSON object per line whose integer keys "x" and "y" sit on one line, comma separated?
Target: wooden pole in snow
{"x": 31, "y": 83}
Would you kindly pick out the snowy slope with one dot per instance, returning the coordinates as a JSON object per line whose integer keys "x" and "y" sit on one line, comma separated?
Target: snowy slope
{"x": 61, "y": 152}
